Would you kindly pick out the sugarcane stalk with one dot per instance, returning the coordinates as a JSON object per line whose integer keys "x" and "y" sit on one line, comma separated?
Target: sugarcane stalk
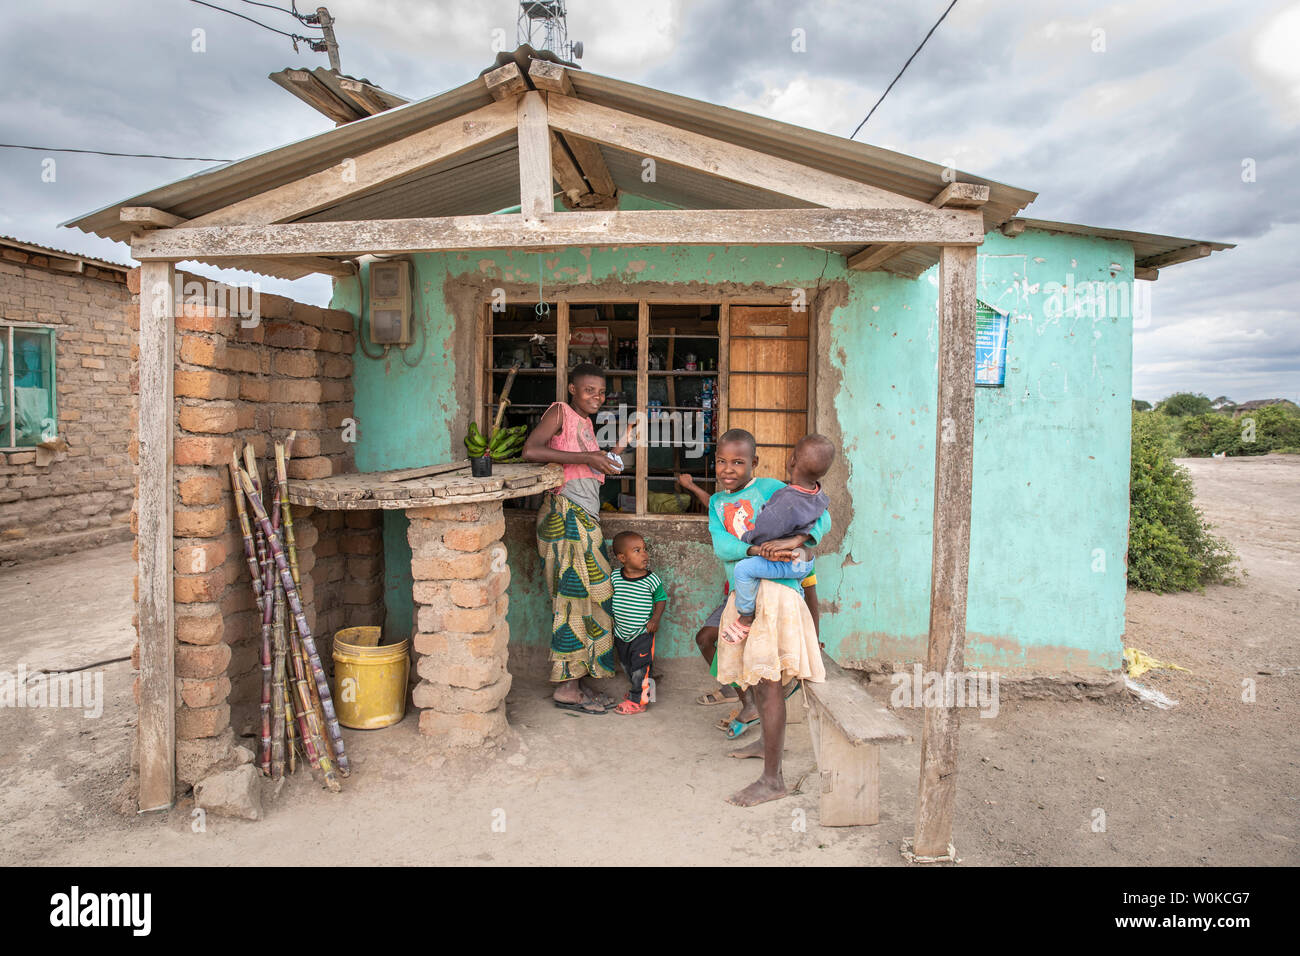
{"x": 295, "y": 606}
{"x": 313, "y": 741}
{"x": 282, "y": 455}
{"x": 268, "y": 619}
{"x": 290, "y": 726}
{"x": 277, "y": 689}
{"x": 250, "y": 552}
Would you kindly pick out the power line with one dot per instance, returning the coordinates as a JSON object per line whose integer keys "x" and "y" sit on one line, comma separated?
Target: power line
{"x": 905, "y": 66}
{"x": 102, "y": 152}
{"x": 307, "y": 18}
{"x": 311, "y": 41}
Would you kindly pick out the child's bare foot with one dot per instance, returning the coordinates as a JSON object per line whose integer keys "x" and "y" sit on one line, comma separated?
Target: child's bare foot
{"x": 753, "y": 750}
{"x": 760, "y": 791}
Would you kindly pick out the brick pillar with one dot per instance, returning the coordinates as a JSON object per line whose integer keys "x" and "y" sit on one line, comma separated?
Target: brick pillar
{"x": 458, "y": 564}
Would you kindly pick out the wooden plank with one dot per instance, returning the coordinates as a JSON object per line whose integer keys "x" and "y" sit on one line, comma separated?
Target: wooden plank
{"x": 589, "y": 159}
{"x": 147, "y": 217}
{"x": 156, "y": 725}
{"x": 1175, "y": 256}
{"x": 551, "y": 77}
{"x": 682, "y": 227}
{"x": 1150, "y": 275}
{"x": 961, "y": 196}
{"x": 536, "y": 197}
{"x": 369, "y": 170}
{"x": 505, "y": 83}
{"x": 566, "y": 172}
{"x": 646, "y": 137}
{"x": 855, "y": 713}
{"x": 1013, "y": 227}
{"x": 642, "y": 403}
{"x": 873, "y": 257}
{"x": 850, "y": 779}
{"x": 954, "y": 452}
{"x": 312, "y": 90}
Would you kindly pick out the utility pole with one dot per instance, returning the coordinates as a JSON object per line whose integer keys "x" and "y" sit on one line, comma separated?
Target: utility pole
{"x": 331, "y": 45}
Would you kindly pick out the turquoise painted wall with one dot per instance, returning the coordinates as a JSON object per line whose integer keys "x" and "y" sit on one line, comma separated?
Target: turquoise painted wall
{"x": 1049, "y": 522}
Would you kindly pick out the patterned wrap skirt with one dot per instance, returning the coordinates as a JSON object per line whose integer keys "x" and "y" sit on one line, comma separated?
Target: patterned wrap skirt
{"x": 578, "y": 578}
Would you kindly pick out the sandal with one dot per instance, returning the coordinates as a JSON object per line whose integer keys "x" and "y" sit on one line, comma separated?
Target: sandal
{"x": 738, "y": 727}
{"x": 630, "y": 707}
{"x": 735, "y": 632}
{"x": 584, "y": 706}
{"x": 715, "y": 697}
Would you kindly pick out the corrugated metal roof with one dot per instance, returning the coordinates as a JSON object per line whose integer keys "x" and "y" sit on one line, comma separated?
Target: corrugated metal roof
{"x": 212, "y": 189}
{"x": 486, "y": 179}
{"x": 15, "y": 243}
{"x": 1149, "y": 249}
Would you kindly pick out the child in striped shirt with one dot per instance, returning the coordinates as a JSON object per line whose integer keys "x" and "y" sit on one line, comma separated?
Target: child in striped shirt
{"x": 639, "y": 602}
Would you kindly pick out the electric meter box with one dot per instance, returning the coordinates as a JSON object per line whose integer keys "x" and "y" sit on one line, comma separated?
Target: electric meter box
{"x": 390, "y": 303}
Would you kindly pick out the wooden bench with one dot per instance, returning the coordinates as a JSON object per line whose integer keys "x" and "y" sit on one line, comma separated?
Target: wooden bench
{"x": 848, "y": 726}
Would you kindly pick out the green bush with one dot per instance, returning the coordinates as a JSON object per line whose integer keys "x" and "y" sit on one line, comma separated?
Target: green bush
{"x": 1185, "y": 403}
{"x": 1170, "y": 544}
{"x": 1274, "y": 428}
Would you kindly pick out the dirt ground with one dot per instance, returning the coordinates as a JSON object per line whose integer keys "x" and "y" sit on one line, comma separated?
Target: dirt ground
{"x": 1213, "y": 780}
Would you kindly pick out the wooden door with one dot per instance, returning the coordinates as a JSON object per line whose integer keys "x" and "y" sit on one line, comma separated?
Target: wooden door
{"x": 767, "y": 390}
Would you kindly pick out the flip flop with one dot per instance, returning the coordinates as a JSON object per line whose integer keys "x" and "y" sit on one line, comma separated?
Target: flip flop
{"x": 739, "y": 727}
{"x": 580, "y": 707}
{"x": 630, "y": 707}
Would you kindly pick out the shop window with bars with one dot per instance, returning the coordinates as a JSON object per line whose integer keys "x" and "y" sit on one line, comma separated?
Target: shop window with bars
{"x": 691, "y": 369}
{"x": 28, "y": 405}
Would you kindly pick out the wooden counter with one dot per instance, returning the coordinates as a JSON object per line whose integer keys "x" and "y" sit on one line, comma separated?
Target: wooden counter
{"x": 424, "y": 487}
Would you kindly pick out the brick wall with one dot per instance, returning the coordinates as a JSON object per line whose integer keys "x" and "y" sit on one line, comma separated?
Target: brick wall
{"x": 83, "y": 499}
{"x": 235, "y": 385}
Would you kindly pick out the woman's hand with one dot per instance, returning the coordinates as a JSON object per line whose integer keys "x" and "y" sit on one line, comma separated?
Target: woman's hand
{"x": 598, "y": 461}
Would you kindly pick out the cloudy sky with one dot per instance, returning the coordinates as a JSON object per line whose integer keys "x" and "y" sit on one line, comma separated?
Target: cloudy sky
{"x": 1130, "y": 115}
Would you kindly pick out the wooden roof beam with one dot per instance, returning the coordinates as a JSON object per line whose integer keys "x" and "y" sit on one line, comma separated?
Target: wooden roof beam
{"x": 934, "y": 227}
{"x": 952, "y": 196}
{"x": 1151, "y": 275}
{"x": 147, "y": 217}
{"x": 600, "y": 189}
{"x": 320, "y": 96}
{"x": 505, "y": 82}
{"x": 645, "y": 137}
{"x": 378, "y": 167}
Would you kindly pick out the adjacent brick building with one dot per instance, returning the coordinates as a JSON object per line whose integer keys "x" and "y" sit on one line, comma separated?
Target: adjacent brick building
{"x": 68, "y": 316}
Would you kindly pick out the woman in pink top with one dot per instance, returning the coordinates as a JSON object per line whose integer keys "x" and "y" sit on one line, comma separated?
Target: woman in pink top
{"x": 571, "y": 543}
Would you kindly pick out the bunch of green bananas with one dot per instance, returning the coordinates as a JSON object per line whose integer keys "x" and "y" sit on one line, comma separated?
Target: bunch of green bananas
{"x": 504, "y": 443}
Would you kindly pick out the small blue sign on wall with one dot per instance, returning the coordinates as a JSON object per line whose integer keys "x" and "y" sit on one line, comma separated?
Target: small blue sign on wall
{"x": 990, "y": 345}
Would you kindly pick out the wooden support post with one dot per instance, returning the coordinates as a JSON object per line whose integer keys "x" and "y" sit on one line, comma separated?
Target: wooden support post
{"x": 536, "y": 198}
{"x": 562, "y": 350}
{"x": 156, "y": 727}
{"x": 954, "y": 451}
{"x": 642, "y": 402}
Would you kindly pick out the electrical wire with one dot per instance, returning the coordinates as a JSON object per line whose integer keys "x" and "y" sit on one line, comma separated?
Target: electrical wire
{"x": 292, "y": 36}
{"x": 905, "y": 66}
{"x": 305, "y": 18}
{"x": 103, "y": 152}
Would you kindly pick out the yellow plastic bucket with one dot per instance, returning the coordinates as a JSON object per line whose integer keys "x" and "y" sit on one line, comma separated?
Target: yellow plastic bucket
{"x": 369, "y": 682}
